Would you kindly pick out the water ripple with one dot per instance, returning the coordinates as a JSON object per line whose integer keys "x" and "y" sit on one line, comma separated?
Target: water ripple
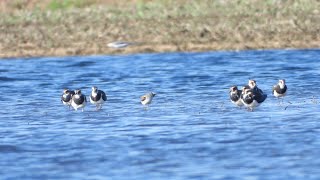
{"x": 190, "y": 131}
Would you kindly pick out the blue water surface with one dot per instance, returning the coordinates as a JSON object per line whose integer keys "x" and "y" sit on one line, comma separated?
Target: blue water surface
{"x": 190, "y": 131}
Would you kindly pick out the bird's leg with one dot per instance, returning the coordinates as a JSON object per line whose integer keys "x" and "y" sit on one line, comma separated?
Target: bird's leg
{"x": 280, "y": 99}
{"x": 279, "y": 102}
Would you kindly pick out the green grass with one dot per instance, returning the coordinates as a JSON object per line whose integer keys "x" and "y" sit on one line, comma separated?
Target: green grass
{"x": 68, "y": 4}
{"x": 163, "y": 9}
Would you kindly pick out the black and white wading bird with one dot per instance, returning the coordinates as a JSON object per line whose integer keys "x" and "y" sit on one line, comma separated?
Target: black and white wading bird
{"x": 66, "y": 97}
{"x": 252, "y": 96}
{"x": 147, "y": 98}
{"x": 97, "y": 97}
{"x": 253, "y": 86}
{"x": 258, "y": 93}
{"x": 78, "y": 100}
{"x": 280, "y": 89}
{"x": 235, "y": 96}
{"x": 248, "y": 99}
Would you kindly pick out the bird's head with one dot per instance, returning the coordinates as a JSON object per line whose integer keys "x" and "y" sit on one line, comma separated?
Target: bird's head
{"x": 78, "y": 91}
{"x": 65, "y": 91}
{"x": 153, "y": 94}
{"x": 233, "y": 88}
{"x": 252, "y": 83}
{"x": 94, "y": 89}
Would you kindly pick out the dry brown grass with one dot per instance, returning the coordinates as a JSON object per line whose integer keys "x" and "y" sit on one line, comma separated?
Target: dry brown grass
{"x": 157, "y": 26}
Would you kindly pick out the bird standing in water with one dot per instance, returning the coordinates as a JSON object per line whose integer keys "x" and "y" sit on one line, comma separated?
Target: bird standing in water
{"x": 235, "y": 96}
{"x": 66, "y": 97}
{"x": 97, "y": 97}
{"x": 147, "y": 98}
{"x": 78, "y": 100}
{"x": 258, "y": 93}
{"x": 249, "y": 99}
{"x": 280, "y": 90}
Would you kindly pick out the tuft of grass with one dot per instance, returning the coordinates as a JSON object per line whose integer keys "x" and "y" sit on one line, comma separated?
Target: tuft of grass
{"x": 68, "y": 4}
{"x": 17, "y": 4}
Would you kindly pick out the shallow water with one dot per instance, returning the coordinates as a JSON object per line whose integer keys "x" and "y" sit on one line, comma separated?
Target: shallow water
{"x": 191, "y": 130}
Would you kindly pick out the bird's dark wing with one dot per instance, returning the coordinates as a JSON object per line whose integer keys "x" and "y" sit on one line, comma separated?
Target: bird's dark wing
{"x": 282, "y": 91}
{"x": 260, "y": 97}
{"x": 256, "y": 90}
{"x": 279, "y": 90}
{"x": 103, "y": 95}
{"x": 239, "y": 93}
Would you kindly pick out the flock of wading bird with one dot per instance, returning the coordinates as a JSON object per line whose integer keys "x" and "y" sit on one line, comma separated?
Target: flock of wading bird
{"x": 77, "y": 100}
{"x": 249, "y": 96}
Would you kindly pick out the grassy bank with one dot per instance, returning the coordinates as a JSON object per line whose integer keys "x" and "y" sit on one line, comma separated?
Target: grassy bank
{"x": 78, "y": 27}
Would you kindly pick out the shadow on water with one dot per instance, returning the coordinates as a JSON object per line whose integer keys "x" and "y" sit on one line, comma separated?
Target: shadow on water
{"x": 9, "y": 149}
{"x": 81, "y": 64}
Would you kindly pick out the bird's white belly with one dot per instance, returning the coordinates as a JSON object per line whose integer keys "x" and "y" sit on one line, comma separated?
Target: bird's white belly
{"x": 146, "y": 101}
{"x": 251, "y": 105}
{"x": 238, "y": 103}
{"x": 77, "y": 106}
{"x": 278, "y": 95}
{"x": 100, "y": 101}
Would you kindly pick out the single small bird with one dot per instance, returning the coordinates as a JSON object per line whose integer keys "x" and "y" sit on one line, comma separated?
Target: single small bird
{"x": 249, "y": 99}
{"x": 78, "y": 100}
{"x": 66, "y": 97}
{"x": 280, "y": 89}
{"x": 147, "y": 98}
{"x": 235, "y": 96}
{"x": 97, "y": 97}
{"x": 258, "y": 93}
